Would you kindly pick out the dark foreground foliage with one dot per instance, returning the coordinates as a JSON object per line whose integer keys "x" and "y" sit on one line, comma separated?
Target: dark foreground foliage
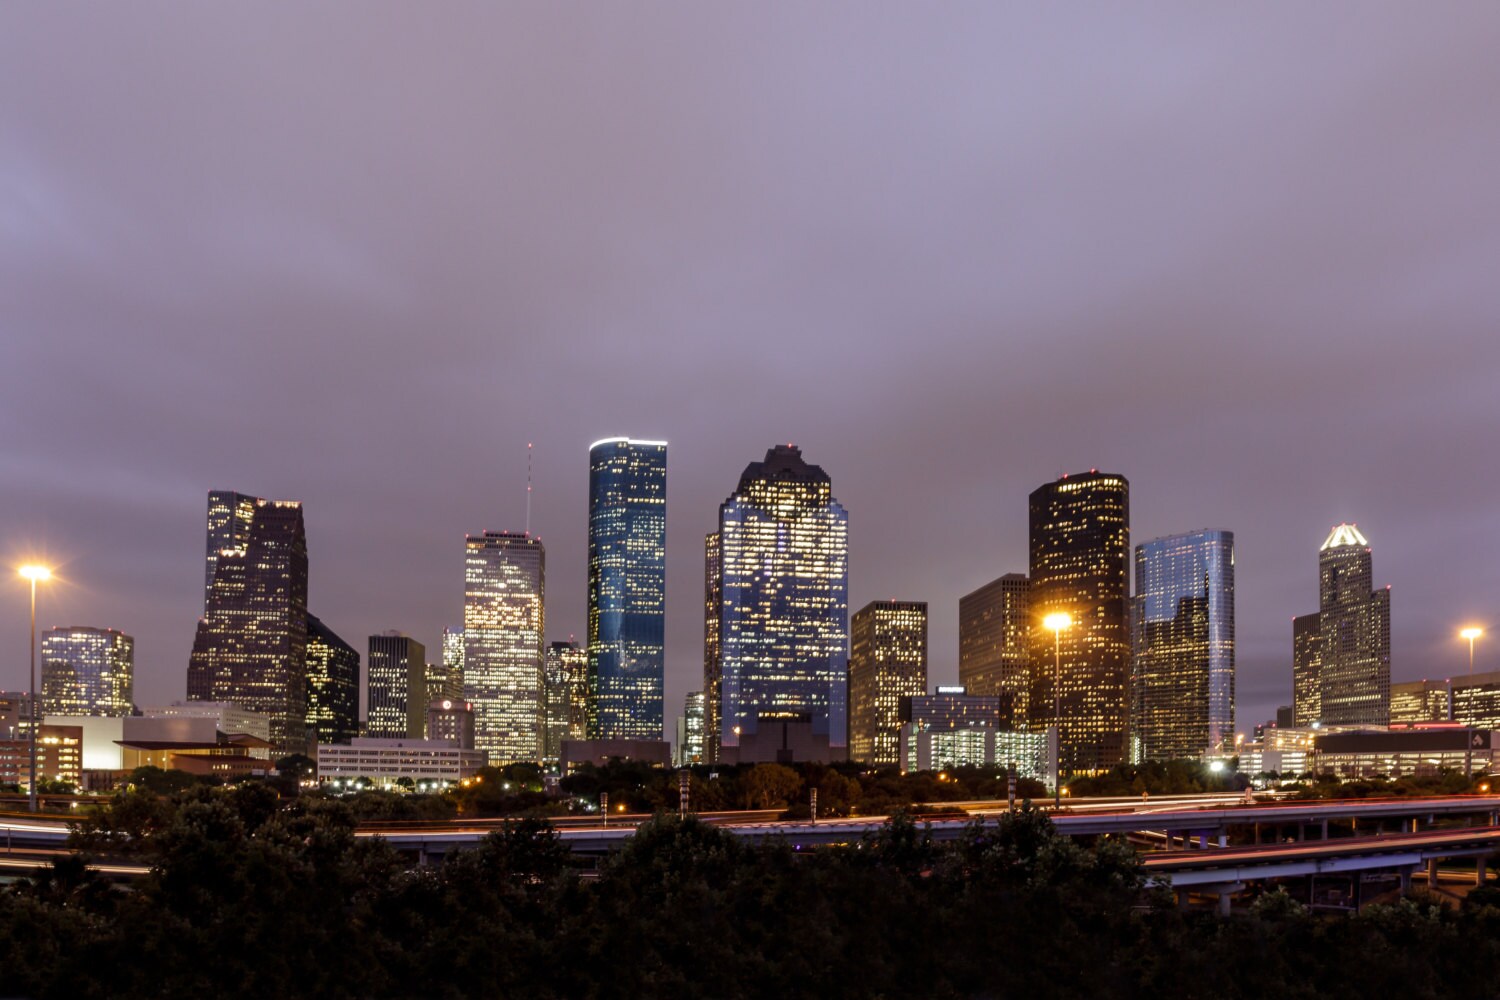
{"x": 251, "y": 897}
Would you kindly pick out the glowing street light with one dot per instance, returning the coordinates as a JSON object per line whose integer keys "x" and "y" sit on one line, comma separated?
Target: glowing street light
{"x": 34, "y": 573}
{"x": 1471, "y": 633}
{"x": 1057, "y": 621}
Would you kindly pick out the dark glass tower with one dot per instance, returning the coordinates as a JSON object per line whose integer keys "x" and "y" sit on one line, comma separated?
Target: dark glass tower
{"x": 887, "y": 662}
{"x": 1307, "y": 689}
{"x": 994, "y": 644}
{"x": 229, "y": 517}
{"x": 1080, "y": 565}
{"x": 1182, "y": 691}
{"x": 1354, "y": 634}
{"x": 332, "y": 685}
{"x": 781, "y": 558}
{"x": 396, "y": 705}
{"x": 627, "y": 587}
{"x": 251, "y": 646}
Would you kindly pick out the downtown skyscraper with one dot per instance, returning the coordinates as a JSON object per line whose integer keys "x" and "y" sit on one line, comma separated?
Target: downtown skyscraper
{"x": 994, "y": 644}
{"x": 251, "y": 644}
{"x": 776, "y": 636}
{"x": 332, "y": 686}
{"x": 1352, "y": 651}
{"x": 396, "y": 687}
{"x": 87, "y": 671}
{"x": 1080, "y": 566}
{"x": 1182, "y": 684}
{"x": 504, "y": 622}
{"x": 627, "y": 588}
{"x": 566, "y": 691}
{"x": 887, "y": 662}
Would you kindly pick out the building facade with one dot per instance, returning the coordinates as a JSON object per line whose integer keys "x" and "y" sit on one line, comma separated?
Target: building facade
{"x": 887, "y": 662}
{"x": 1419, "y": 701}
{"x": 1476, "y": 700}
{"x": 87, "y": 671}
{"x": 332, "y": 685}
{"x": 386, "y": 763}
{"x": 504, "y": 622}
{"x": 451, "y": 719}
{"x": 396, "y": 685}
{"x": 1080, "y": 565}
{"x": 994, "y": 643}
{"x": 781, "y": 556}
{"x": 251, "y": 644}
{"x": 713, "y": 668}
{"x": 1354, "y": 634}
{"x": 1182, "y": 684}
{"x": 1307, "y": 662}
{"x": 627, "y": 588}
{"x": 690, "y": 744}
{"x": 230, "y": 516}
{"x": 567, "y": 674}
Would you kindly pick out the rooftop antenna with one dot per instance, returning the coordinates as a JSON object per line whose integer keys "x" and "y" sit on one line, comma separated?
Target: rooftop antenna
{"x": 528, "y": 489}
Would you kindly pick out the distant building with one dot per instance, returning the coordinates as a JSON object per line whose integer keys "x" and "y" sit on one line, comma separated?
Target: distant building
{"x": 1476, "y": 700}
{"x": 15, "y": 714}
{"x": 887, "y": 662}
{"x": 1286, "y": 716}
{"x": 575, "y": 753}
{"x": 778, "y": 605}
{"x": 994, "y": 643}
{"x": 396, "y": 681}
{"x": 224, "y": 717}
{"x": 1419, "y": 701}
{"x": 785, "y": 738}
{"x": 453, "y": 655}
{"x": 627, "y": 588}
{"x": 230, "y": 517}
{"x": 1080, "y": 565}
{"x": 1354, "y": 635}
{"x": 1307, "y": 683}
{"x": 690, "y": 748}
{"x": 504, "y": 622}
{"x": 952, "y": 728}
{"x": 251, "y": 644}
{"x": 59, "y": 756}
{"x": 566, "y": 687}
{"x": 1182, "y": 687}
{"x": 444, "y": 682}
{"x": 87, "y": 671}
{"x": 1408, "y": 752}
{"x": 332, "y": 685}
{"x": 385, "y": 762}
{"x": 448, "y": 719}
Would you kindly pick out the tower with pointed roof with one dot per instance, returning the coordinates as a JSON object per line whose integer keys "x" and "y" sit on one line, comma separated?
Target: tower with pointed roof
{"x": 1354, "y": 634}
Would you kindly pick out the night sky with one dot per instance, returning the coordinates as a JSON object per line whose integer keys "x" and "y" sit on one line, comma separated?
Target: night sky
{"x": 359, "y": 255}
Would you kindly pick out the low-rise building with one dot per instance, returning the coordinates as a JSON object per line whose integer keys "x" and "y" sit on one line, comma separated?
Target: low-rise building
{"x": 59, "y": 756}
{"x": 574, "y": 753}
{"x": 384, "y": 762}
{"x": 1398, "y": 753}
{"x": 226, "y": 715}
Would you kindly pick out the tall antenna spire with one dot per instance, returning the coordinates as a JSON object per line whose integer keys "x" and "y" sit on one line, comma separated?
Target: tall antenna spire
{"x": 528, "y": 489}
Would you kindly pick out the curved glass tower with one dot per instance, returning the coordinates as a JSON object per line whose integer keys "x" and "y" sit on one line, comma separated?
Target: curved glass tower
{"x": 627, "y": 587}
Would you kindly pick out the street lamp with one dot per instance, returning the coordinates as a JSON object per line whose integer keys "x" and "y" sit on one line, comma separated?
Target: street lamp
{"x": 1057, "y": 621}
{"x": 1471, "y": 633}
{"x": 34, "y": 573}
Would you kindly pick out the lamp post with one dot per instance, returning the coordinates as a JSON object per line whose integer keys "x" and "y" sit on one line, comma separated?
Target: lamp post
{"x": 34, "y": 573}
{"x": 1057, "y": 621}
{"x": 1471, "y": 633}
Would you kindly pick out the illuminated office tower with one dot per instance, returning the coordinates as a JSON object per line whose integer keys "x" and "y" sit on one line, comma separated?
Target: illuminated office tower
{"x": 1307, "y": 690}
{"x": 87, "y": 671}
{"x": 453, "y": 656}
{"x": 229, "y": 517}
{"x": 567, "y": 697}
{"x": 1080, "y": 565}
{"x": 396, "y": 683}
{"x": 627, "y": 587}
{"x": 1419, "y": 701}
{"x": 887, "y": 662}
{"x": 504, "y": 621}
{"x": 251, "y": 645}
{"x": 332, "y": 685}
{"x": 690, "y": 747}
{"x": 1354, "y": 634}
{"x": 1182, "y": 687}
{"x": 444, "y": 683}
{"x": 713, "y": 619}
{"x": 781, "y": 556}
{"x": 994, "y": 644}
{"x": 1476, "y": 700}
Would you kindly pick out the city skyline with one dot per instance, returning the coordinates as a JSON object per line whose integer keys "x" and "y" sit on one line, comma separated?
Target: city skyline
{"x": 1119, "y": 248}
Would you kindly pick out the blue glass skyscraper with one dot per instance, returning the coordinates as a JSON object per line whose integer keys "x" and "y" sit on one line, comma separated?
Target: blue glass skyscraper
{"x": 627, "y": 588}
{"x": 1182, "y": 685}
